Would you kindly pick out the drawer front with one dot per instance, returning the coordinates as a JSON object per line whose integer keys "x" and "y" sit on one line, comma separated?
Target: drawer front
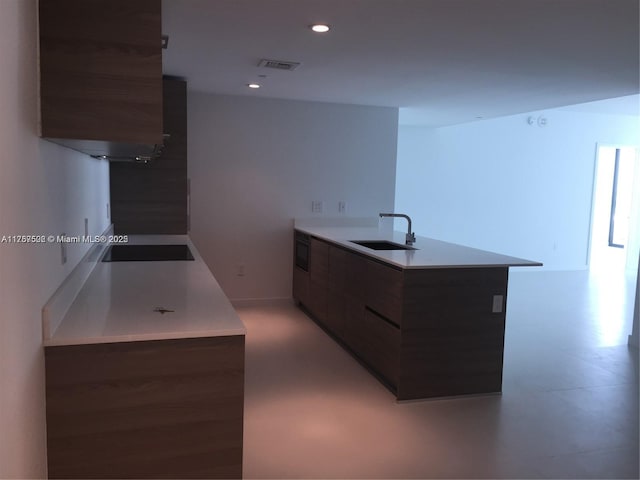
{"x": 384, "y": 290}
{"x": 376, "y": 341}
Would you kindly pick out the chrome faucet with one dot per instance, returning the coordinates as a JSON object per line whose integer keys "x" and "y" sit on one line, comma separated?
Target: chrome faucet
{"x": 410, "y": 237}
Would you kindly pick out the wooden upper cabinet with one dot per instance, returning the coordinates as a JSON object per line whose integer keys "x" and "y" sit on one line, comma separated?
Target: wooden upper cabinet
{"x": 101, "y": 75}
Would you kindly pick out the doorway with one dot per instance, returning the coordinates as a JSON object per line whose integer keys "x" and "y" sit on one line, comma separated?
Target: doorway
{"x": 615, "y": 222}
{"x": 614, "y": 245}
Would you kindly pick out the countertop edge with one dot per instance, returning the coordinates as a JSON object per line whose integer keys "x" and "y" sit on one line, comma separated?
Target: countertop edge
{"x": 396, "y": 238}
{"x": 143, "y": 337}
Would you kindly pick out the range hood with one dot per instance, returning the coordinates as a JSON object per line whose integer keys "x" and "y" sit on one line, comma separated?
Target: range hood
{"x": 115, "y": 151}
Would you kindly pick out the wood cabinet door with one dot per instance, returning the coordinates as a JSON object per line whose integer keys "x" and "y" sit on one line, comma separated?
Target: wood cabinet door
{"x": 336, "y": 299}
{"x": 318, "y": 279}
{"x": 375, "y": 340}
{"x": 147, "y": 409}
{"x": 101, "y": 72}
{"x": 356, "y": 275}
{"x": 300, "y": 285}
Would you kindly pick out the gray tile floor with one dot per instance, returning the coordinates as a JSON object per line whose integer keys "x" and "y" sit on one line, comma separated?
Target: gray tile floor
{"x": 569, "y": 407}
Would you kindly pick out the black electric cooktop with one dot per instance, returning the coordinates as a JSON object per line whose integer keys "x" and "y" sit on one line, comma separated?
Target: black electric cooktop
{"x": 147, "y": 253}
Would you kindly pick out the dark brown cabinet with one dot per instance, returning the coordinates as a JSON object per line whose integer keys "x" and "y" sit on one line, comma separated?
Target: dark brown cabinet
{"x": 423, "y": 332}
{"x": 384, "y": 290}
{"x": 101, "y": 75}
{"x": 300, "y": 285}
{"x": 378, "y": 344}
{"x": 151, "y": 198}
{"x": 337, "y": 298}
{"x": 347, "y": 297}
{"x": 318, "y": 279}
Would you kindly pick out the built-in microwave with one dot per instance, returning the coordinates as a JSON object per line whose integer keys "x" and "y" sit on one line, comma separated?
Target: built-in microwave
{"x": 302, "y": 251}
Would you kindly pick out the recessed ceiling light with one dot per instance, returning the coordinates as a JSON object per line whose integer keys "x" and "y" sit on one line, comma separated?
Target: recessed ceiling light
{"x": 320, "y": 27}
{"x": 253, "y": 85}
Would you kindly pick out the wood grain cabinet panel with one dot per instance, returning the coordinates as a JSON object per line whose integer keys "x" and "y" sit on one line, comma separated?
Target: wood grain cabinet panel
{"x": 319, "y": 261}
{"x": 300, "y": 285}
{"x": 384, "y": 290}
{"x": 336, "y": 299}
{"x": 377, "y": 342}
{"x": 336, "y": 312}
{"x": 318, "y": 279}
{"x": 101, "y": 74}
{"x": 150, "y": 409}
{"x": 424, "y": 332}
{"x": 152, "y": 198}
{"x": 452, "y": 341}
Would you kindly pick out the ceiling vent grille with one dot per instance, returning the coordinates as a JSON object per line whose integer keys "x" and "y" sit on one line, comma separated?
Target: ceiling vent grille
{"x": 278, "y": 64}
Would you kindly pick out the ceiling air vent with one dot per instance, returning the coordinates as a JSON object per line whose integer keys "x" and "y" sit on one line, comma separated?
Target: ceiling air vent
{"x": 278, "y": 64}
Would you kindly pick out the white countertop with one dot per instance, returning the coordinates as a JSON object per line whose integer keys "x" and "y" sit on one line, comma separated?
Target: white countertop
{"x": 428, "y": 253}
{"x": 117, "y": 302}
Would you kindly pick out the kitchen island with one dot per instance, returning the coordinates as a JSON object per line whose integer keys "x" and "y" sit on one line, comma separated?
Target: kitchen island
{"x": 428, "y": 321}
{"x": 145, "y": 374}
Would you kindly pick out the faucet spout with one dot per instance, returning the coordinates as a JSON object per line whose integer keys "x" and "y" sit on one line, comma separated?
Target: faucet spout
{"x": 410, "y": 237}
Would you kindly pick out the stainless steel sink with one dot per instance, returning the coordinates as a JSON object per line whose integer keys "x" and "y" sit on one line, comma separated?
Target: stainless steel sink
{"x": 381, "y": 245}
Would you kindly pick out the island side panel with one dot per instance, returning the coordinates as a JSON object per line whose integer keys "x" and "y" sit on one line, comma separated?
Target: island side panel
{"x": 452, "y": 341}
{"x": 149, "y": 409}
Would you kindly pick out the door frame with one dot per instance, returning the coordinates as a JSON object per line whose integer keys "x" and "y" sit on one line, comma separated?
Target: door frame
{"x": 633, "y": 242}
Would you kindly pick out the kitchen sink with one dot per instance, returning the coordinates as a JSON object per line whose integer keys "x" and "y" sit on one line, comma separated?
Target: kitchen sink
{"x": 147, "y": 253}
{"x": 381, "y": 245}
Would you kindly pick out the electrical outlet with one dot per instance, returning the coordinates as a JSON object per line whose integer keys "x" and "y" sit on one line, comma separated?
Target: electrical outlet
{"x": 317, "y": 206}
{"x": 240, "y": 270}
{"x": 342, "y": 206}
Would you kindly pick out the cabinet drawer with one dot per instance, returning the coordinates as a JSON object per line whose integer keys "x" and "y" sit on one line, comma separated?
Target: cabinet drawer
{"x": 377, "y": 342}
{"x": 384, "y": 290}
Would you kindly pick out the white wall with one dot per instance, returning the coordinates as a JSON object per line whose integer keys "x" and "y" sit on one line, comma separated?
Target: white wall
{"x": 506, "y": 186}
{"x": 256, "y": 164}
{"x": 44, "y": 189}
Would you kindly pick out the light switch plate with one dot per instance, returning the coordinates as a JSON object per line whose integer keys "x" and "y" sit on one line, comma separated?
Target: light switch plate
{"x": 316, "y": 206}
{"x": 497, "y": 303}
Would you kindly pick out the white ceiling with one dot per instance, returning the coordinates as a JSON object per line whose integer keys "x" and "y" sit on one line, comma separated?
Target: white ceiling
{"x": 441, "y": 61}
